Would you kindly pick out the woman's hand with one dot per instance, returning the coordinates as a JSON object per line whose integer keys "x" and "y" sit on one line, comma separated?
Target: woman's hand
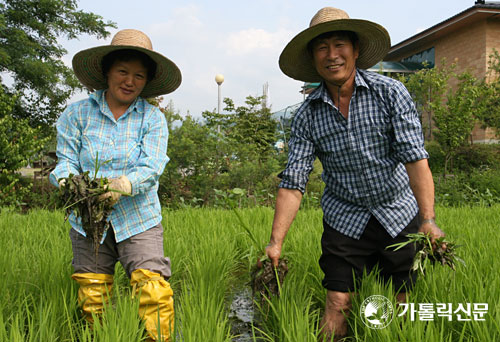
{"x": 121, "y": 185}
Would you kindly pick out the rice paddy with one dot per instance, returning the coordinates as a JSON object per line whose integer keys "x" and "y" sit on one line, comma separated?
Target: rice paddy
{"x": 212, "y": 258}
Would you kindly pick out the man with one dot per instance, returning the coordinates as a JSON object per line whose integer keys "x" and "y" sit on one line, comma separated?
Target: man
{"x": 365, "y": 130}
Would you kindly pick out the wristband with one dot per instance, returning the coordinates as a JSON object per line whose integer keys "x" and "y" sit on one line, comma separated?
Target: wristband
{"x": 427, "y": 221}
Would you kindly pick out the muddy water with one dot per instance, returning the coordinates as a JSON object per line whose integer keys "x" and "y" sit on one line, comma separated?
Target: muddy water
{"x": 242, "y": 315}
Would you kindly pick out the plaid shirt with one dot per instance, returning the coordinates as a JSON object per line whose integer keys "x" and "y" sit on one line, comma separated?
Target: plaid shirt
{"x": 135, "y": 145}
{"x": 363, "y": 156}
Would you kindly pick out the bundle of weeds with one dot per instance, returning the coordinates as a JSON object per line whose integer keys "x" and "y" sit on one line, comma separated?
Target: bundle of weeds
{"x": 80, "y": 195}
{"x": 266, "y": 279}
{"x": 442, "y": 252}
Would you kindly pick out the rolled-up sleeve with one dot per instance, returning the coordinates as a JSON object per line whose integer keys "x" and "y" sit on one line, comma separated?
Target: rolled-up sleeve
{"x": 300, "y": 155}
{"x": 68, "y": 145}
{"x": 146, "y": 173}
{"x": 408, "y": 136}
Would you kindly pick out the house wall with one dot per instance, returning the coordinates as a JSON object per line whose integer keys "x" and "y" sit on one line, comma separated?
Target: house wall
{"x": 466, "y": 47}
{"x": 470, "y": 48}
{"x": 492, "y": 36}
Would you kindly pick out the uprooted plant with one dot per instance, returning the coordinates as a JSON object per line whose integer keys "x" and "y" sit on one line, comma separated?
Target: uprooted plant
{"x": 266, "y": 279}
{"x": 441, "y": 252}
{"x": 81, "y": 195}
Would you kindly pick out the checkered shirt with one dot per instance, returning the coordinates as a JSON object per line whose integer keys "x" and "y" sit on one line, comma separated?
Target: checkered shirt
{"x": 363, "y": 156}
{"x": 135, "y": 145}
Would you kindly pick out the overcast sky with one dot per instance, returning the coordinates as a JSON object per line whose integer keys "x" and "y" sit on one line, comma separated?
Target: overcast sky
{"x": 243, "y": 39}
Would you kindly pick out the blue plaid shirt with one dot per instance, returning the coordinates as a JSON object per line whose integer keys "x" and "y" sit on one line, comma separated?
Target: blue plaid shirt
{"x": 363, "y": 156}
{"x": 135, "y": 145}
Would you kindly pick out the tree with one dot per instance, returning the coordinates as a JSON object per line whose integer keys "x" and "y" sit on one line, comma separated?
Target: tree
{"x": 428, "y": 88}
{"x": 455, "y": 119}
{"x": 196, "y": 164}
{"x": 489, "y": 114}
{"x": 223, "y": 152}
{"x": 453, "y": 108}
{"x": 31, "y": 54}
{"x": 249, "y": 128}
{"x": 18, "y": 143}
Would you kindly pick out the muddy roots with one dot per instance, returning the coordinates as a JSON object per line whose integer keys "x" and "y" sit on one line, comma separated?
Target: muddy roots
{"x": 267, "y": 280}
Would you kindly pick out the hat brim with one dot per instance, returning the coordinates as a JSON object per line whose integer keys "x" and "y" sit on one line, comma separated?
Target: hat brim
{"x": 87, "y": 68}
{"x": 374, "y": 43}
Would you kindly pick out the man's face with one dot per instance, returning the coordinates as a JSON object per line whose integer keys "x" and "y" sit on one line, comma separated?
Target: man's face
{"x": 335, "y": 58}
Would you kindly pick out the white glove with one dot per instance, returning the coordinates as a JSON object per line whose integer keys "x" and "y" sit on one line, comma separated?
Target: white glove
{"x": 121, "y": 184}
{"x": 62, "y": 182}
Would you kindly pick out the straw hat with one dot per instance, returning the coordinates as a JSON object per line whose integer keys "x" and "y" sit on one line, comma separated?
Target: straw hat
{"x": 87, "y": 64}
{"x": 374, "y": 42}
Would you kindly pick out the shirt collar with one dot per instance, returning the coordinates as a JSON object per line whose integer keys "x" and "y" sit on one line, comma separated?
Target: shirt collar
{"x": 322, "y": 91}
{"x": 98, "y": 96}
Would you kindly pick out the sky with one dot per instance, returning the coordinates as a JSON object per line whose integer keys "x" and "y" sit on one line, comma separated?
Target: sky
{"x": 242, "y": 40}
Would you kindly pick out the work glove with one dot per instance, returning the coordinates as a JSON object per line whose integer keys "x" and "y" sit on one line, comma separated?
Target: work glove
{"x": 122, "y": 186}
{"x": 62, "y": 182}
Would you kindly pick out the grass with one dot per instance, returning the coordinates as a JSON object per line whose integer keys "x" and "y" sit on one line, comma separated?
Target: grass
{"x": 211, "y": 254}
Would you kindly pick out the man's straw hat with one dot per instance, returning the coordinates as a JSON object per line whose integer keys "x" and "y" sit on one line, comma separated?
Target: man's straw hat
{"x": 88, "y": 69}
{"x": 374, "y": 42}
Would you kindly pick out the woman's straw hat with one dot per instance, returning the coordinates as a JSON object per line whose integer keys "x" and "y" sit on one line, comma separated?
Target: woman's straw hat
{"x": 374, "y": 42}
{"x": 88, "y": 69}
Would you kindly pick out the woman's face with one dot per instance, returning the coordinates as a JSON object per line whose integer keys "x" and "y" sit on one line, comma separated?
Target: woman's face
{"x": 126, "y": 80}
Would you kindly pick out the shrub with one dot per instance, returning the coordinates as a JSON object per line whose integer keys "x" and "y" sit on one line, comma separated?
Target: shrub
{"x": 481, "y": 187}
{"x": 467, "y": 158}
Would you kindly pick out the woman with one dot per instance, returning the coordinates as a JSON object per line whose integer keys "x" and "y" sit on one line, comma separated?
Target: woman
{"x": 118, "y": 125}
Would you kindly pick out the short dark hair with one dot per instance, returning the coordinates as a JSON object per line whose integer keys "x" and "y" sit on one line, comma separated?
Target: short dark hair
{"x": 352, "y": 36}
{"x": 127, "y": 55}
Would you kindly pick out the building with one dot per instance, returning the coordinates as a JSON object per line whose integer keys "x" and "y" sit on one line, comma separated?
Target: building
{"x": 468, "y": 38}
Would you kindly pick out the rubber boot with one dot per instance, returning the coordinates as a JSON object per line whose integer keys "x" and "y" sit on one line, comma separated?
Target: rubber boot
{"x": 155, "y": 301}
{"x": 94, "y": 292}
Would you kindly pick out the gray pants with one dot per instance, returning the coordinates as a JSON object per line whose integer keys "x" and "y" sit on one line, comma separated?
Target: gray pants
{"x": 141, "y": 251}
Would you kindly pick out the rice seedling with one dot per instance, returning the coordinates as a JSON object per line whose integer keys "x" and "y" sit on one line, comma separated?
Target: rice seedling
{"x": 210, "y": 252}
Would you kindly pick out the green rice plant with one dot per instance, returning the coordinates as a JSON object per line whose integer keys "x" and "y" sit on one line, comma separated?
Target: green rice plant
{"x": 211, "y": 256}
{"x": 120, "y": 321}
{"x": 206, "y": 273}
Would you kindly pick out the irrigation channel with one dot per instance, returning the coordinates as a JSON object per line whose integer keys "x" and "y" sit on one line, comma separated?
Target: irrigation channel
{"x": 242, "y": 314}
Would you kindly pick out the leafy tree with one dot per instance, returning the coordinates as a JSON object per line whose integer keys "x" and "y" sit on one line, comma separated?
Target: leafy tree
{"x": 489, "y": 114}
{"x": 250, "y": 128}
{"x": 428, "y": 89}
{"x": 18, "y": 143}
{"x": 453, "y": 109}
{"x": 223, "y": 152}
{"x": 455, "y": 119}
{"x": 196, "y": 164}
{"x": 31, "y": 54}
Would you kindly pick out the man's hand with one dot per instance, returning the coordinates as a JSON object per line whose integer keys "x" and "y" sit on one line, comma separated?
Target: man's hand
{"x": 430, "y": 228}
{"x": 121, "y": 184}
{"x": 273, "y": 251}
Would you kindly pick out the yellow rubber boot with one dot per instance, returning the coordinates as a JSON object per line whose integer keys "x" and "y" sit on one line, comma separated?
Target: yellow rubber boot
{"x": 94, "y": 292}
{"x": 156, "y": 301}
